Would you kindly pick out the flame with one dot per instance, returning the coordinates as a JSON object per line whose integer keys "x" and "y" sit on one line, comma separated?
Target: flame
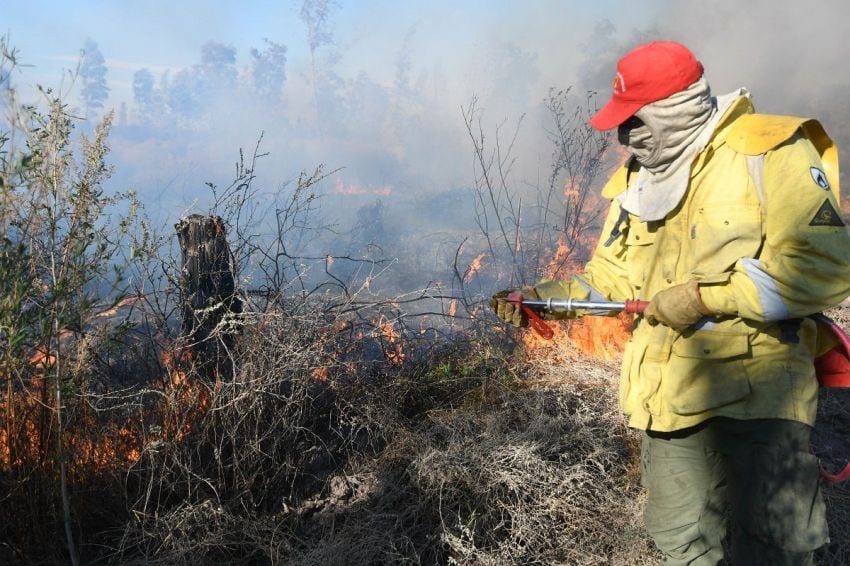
{"x": 97, "y": 442}
{"x": 571, "y": 250}
{"x": 24, "y": 438}
{"x": 188, "y": 400}
{"x": 126, "y": 302}
{"x": 452, "y": 308}
{"x": 394, "y": 350}
{"x": 42, "y": 358}
{"x": 473, "y": 267}
{"x": 340, "y": 188}
{"x": 601, "y": 337}
{"x": 172, "y": 362}
{"x": 320, "y": 374}
{"x": 27, "y": 437}
{"x": 562, "y": 259}
{"x": 537, "y": 346}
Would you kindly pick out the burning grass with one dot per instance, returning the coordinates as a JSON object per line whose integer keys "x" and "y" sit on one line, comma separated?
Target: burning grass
{"x": 454, "y": 464}
{"x": 316, "y": 455}
{"x": 470, "y": 454}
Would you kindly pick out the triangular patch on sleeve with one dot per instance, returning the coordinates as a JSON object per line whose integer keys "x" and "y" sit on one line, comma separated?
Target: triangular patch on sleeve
{"x": 826, "y": 216}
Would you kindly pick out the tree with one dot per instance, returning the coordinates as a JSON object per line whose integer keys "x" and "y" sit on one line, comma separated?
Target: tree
{"x": 145, "y": 95}
{"x": 511, "y": 77}
{"x": 93, "y": 75}
{"x": 184, "y": 94}
{"x": 218, "y": 68}
{"x": 192, "y": 91}
{"x": 315, "y": 15}
{"x": 268, "y": 70}
{"x": 61, "y": 263}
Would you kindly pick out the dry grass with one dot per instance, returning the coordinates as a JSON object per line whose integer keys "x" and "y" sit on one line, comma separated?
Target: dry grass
{"x": 539, "y": 477}
{"x": 471, "y": 455}
{"x": 457, "y": 460}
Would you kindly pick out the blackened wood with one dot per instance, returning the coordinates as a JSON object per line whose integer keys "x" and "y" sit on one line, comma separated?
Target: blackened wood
{"x": 208, "y": 294}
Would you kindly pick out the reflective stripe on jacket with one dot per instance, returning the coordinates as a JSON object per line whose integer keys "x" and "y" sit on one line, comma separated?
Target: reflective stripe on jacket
{"x": 764, "y": 262}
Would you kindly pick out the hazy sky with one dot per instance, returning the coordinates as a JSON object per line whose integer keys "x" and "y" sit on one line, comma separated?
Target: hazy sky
{"x": 159, "y": 34}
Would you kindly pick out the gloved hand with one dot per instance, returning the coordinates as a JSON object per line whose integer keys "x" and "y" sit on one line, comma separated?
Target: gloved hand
{"x": 508, "y": 311}
{"x": 677, "y": 307}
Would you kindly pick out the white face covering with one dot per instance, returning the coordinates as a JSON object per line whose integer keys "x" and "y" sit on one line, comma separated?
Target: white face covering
{"x": 637, "y": 140}
{"x": 674, "y": 131}
{"x": 670, "y": 126}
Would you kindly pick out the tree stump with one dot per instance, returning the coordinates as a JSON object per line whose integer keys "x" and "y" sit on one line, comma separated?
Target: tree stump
{"x": 209, "y": 297}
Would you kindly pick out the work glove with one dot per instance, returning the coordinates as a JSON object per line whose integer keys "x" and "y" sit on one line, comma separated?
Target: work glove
{"x": 677, "y": 307}
{"x": 507, "y": 310}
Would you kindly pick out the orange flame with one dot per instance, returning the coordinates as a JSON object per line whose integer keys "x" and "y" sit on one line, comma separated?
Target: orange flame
{"x": 126, "y": 302}
{"x": 191, "y": 397}
{"x": 561, "y": 259}
{"x": 599, "y": 337}
{"x": 473, "y": 267}
{"x": 27, "y": 435}
{"x": 320, "y": 374}
{"x": 42, "y": 358}
{"x": 394, "y": 350}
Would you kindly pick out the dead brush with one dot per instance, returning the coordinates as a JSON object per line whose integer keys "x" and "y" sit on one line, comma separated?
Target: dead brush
{"x": 540, "y": 478}
{"x": 258, "y": 446}
{"x": 452, "y": 461}
{"x": 485, "y": 472}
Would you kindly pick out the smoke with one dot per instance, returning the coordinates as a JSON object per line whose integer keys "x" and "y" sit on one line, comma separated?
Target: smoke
{"x": 787, "y": 53}
{"x": 792, "y": 56}
{"x": 375, "y": 91}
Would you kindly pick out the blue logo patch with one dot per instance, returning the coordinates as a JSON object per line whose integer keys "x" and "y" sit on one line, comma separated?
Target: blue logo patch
{"x": 819, "y": 178}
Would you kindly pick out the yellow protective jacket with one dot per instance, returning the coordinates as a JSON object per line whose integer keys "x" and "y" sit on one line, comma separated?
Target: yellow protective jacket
{"x": 759, "y": 228}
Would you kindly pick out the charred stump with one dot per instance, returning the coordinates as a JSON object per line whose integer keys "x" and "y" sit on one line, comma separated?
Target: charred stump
{"x": 209, "y": 297}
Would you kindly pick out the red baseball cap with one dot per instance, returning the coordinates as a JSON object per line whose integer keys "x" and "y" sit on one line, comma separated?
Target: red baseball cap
{"x": 647, "y": 73}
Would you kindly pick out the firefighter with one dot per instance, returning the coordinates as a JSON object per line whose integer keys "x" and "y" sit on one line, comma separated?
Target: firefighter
{"x": 728, "y": 223}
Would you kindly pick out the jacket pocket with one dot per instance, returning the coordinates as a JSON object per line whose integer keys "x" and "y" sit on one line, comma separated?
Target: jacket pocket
{"x": 706, "y": 371}
{"x": 639, "y": 250}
